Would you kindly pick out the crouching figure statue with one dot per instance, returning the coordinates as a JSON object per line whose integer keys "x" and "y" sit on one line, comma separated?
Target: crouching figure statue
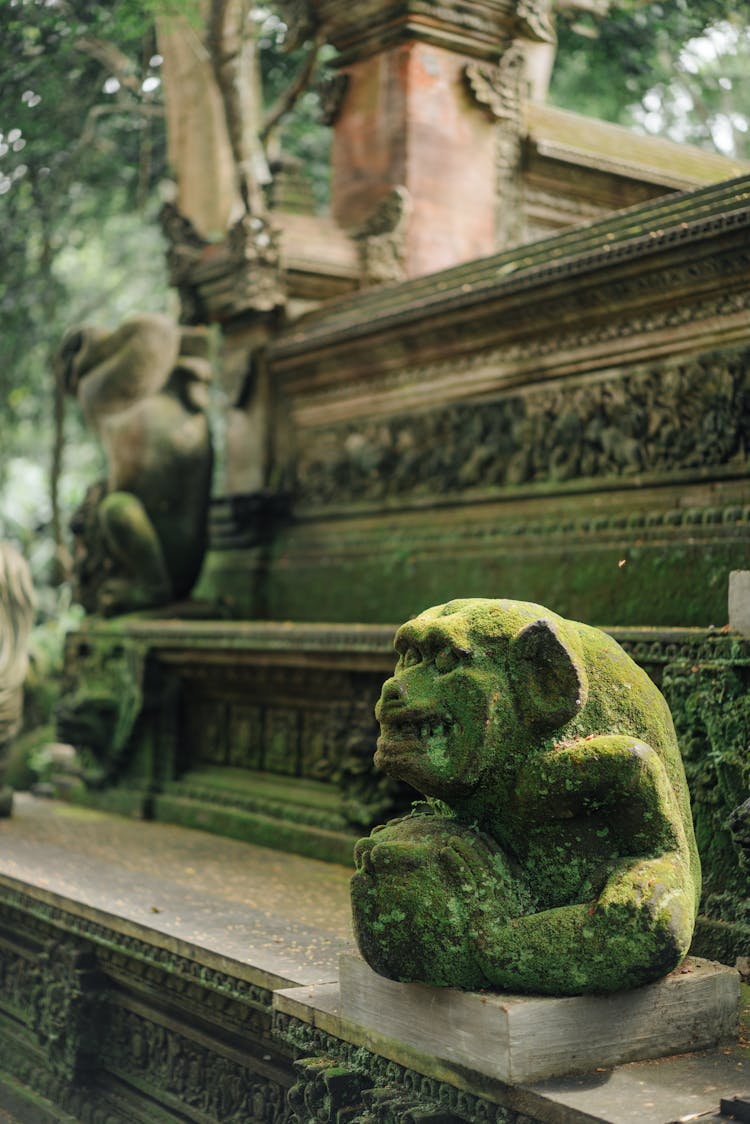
{"x": 17, "y": 608}
{"x": 141, "y": 536}
{"x": 555, "y": 851}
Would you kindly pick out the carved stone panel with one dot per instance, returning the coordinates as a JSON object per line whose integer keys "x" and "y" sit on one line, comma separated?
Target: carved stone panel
{"x": 282, "y": 745}
{"x": 245, "y": 736}
{"x": 66, "y": 1009}
{"x": 656, "y": 419}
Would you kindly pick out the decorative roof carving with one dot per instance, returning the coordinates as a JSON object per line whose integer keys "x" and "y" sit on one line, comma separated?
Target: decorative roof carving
{"x": 498, "y": 86}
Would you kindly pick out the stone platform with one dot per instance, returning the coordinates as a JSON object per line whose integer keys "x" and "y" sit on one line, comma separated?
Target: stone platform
{"x": 152, "y": 974}
{"x": 522, "y": 1038}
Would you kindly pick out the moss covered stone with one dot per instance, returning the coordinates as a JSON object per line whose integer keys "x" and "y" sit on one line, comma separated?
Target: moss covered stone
{"x": 555, "y": 852}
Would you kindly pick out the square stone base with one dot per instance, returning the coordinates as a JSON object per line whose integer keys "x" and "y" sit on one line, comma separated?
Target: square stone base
{"x": 519, "y": 1039}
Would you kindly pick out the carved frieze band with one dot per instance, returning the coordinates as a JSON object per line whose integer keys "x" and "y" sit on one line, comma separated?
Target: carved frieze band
{"x": 52, "y": 920}
{"x": 655, "y": 420}
{"x": 75, "y": 1004}
{"x": 542, "y": 352}
{"x": 376, "y": 1090}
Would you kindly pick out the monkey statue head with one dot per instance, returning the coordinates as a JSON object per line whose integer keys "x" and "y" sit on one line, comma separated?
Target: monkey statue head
{"x": 475, "y": 683}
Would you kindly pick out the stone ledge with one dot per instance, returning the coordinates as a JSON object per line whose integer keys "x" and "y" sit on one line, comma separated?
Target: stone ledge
{"x": 520, "y": 1039}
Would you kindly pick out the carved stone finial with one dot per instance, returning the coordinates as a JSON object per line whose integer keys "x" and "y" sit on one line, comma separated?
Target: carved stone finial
{"x": 382, "y": 239}
{"x": 498, "y": 86}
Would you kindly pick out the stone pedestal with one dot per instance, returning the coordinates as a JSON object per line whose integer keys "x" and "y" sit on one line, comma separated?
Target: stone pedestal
{"x": 520, "y": 1039}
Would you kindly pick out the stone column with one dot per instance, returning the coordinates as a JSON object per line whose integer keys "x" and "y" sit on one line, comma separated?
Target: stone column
{"x": 419, "y": 159}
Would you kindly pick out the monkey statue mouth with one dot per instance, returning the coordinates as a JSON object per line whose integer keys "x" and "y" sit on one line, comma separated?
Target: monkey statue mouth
{"x": 410, "y": 731}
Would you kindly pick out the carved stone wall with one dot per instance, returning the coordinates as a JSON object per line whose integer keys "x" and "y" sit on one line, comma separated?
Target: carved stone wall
{"x": 111, "y": 1028}
{"x": 233, "y": 728}
{"x": 651, "y": 419}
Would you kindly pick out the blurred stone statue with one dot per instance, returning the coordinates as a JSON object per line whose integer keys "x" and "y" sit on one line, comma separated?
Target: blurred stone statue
{"x": 17, "y": 607}
{"x": 140, "y": 536}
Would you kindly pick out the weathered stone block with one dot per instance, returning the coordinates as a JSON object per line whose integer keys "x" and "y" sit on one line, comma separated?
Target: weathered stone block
{"x": 521, "y": 1039}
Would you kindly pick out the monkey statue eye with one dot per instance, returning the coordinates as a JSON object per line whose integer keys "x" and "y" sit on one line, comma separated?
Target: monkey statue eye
{"x": 411, "y": 657}
{"x": 446, "y": 660}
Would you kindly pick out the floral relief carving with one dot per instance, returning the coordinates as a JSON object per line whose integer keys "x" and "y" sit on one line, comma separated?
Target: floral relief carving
{"x": 655, "y": 419}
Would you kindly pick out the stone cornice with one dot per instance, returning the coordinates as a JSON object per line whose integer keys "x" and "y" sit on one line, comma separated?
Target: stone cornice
{"x": 164, "y": 636}
{"x": 649, "y": 644}
{"x": 682, "y": 228}
{"x": 477, "y": 28}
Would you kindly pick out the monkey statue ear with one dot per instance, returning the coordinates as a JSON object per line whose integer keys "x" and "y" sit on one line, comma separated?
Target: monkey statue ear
{"x": 549, "y": 685}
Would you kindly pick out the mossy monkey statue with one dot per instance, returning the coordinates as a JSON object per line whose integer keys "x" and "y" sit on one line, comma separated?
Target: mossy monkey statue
{"x": 555, "y": 853}
{"x": 143, "y": 389}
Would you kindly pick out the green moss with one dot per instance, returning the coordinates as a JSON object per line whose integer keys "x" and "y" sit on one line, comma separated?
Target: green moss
{"x": 567, "y": 862}
{"x": 390, "y": 576}
{"x": 711, "y": 707}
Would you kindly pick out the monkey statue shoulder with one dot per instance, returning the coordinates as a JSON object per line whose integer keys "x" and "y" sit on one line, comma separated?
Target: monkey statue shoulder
{"x": 143, "y": 389}
{"x": 556, "y": 851}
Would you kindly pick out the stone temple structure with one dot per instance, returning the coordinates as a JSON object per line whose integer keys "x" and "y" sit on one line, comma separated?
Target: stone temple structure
{"x": 511, "y": 363}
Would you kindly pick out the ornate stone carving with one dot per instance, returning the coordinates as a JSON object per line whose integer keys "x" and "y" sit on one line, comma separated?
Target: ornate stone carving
{"x": 217, "y": 1086}
{"x": 657, "y": 420}
{"x": 498, "y": 86}
{"x": 535, "y": 21}
{"x": 555, "y": 851}
{"x": 388, "y": 1092}
{"x": 474, "y": 27}
{"x": 331, "y": 743}
{"x": 382, "y": 239}
{"x": 67, "y": 1008}
{"x": 254, "y": 249}
{"x": 91, "y": 1003}
{"x": 711, "y": 709}
{"x": 244, "y": 273}
{"x": 100, "y": 707}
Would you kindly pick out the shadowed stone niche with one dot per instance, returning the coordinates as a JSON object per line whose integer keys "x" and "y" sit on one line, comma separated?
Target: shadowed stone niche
{"x": 554, "y": 852}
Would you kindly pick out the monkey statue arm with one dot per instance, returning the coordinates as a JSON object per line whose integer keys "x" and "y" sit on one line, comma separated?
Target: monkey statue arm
{"x": 605, "y": 804}
{"x": 634, "y": 932}
{"x": 615, "y": 775}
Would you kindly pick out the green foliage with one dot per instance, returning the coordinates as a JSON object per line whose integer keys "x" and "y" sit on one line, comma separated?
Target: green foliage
{"x": 639, "y": 64}
{"x": 81, "y": 146}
